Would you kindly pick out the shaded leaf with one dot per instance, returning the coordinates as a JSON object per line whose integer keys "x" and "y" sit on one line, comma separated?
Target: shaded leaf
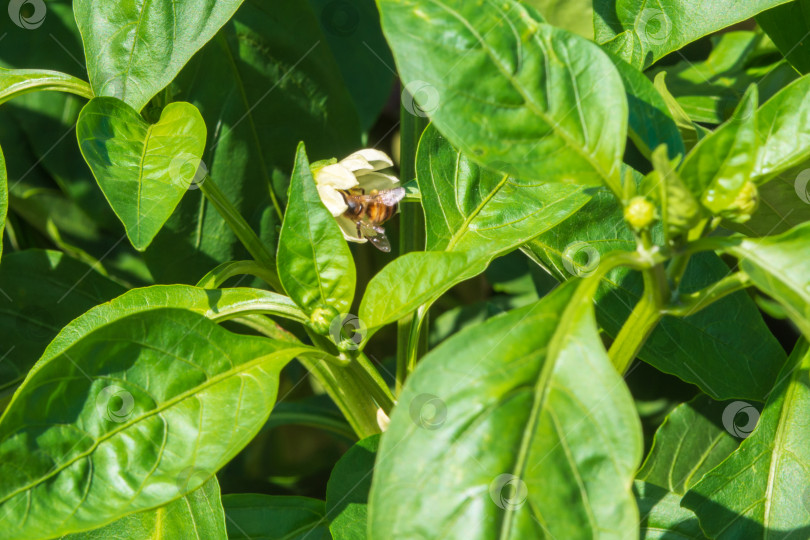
{"x": 662, "y": 517}
{"x": 761, "y": 490}
{"x": 252, "y": 516}
{"x": 347, "y": 491}
{"x": 788, "y": 26}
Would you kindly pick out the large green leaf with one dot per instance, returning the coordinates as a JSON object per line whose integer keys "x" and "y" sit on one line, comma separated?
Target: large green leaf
{"x": 691, "y": 441}
{"x": 509, "y": 91}
{"x": 135, "y": 48}
{"x": 315, "y": 265}
{"x": 761, "y": 490}
{"x": 788, "y": 26}
{"x": 778, "y": 265}
{"x": 497, "y": 434}
{"x": 472, "y": 215}
{"x": 783, "y": 123}
{"x": 108, "y": 420}
{"x": 143, "y": 169}
{"x": 347, "y": 490}
{"x": 42, "y": 291}
{"x": 197, "y": 515}
{"x": 267, "y": 81}
{"x": 726, "y": 357}
{"x": 573, "y": 15}
{"x": 721, "y": 163}
{"x": 662, "y": 517}
{"x": 784, "y": 203}
{"x": 642, "y": 32}
{"x": 251, "y": 516}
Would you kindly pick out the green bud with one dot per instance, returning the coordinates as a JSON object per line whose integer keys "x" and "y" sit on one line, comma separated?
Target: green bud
{"x": 639, "y": 213}
{"x": 744, "y": 205}
{"x": 321, "y": 319}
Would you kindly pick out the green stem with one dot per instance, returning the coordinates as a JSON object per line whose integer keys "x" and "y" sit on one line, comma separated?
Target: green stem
{"x": 642, "y": 320}
{"x": 242, "y": 230}
{"x": 357, "y": 389}
{"x": 411, "y": 341}
{"x": 689, "y": 304}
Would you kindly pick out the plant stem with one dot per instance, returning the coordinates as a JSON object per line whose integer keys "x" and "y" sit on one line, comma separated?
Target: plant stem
{"x": 411, "y": 342}
{"x": 242, "y": 230}
{"x": 642, "y": 319}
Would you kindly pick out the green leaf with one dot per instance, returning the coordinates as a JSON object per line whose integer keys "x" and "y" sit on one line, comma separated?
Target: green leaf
{"x": 16, "y": 82}
{"x": 252, "y": 516}
{"x": 662, "y": 517}
{"x": 573, "y": 15}
{"x": 788, "y": 25}
{"x": 3, "y": 197}
{"x": 650, "y": 123}
{"x": 511, "y": 92}
{"x": 198, "y": 514}
{"x": 134, "y": 49}
{"x": 353, "y": 32}
{"x": 721, "y": 163}
{"x": 680, "y": 210}
{"x": 778, "y": 267}
{"x": 726, "y": 358}
{"x": 108, "y": 419}
{"x": 691, "y": 442}
{"x": 690, "y": 132}
{"x": 783, "y": 123}
{"x": 473, "y": 215}
{"x": 512, "y": 444}
{"x": 784, "y": 203}
{"x": 267, "y": 81}
{"x": 143, "y": 169}
{"x": 761, "y": 490}
{"x": 643, "y": 32}
{"x": 709, "y": 90}
{"x": 315, "y": 265}
{"x": 347, "y": 490}
{"x": 42, "y": 291}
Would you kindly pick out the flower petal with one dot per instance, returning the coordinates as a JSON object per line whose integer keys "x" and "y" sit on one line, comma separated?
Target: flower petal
{"x": 378, "y": 181}
{"x": 333, "y": 200}
{"x": 357, "y": 164}
{"x": 336, "y": 176}
{"x": 377, "y": 159}
{"x": 349, "y": 229}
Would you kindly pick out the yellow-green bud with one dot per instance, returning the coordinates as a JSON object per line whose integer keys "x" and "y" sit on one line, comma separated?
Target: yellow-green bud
{"x": 639, "y": 213}
{"x": 321, "y": 319}
{"x": 744, "y": 205}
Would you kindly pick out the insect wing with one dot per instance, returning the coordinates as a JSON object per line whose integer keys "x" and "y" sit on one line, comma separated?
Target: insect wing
{"x": 375, "y": 235}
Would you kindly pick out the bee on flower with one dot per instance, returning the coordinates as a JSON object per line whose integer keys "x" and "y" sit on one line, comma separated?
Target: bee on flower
{"x": 360, "y": 194}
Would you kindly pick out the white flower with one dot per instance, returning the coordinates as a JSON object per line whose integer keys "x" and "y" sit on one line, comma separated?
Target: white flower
{"x": 359, "y": 170}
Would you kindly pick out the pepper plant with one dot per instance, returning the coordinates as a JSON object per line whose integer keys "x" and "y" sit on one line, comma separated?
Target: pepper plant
{"x": 592, "y": 322}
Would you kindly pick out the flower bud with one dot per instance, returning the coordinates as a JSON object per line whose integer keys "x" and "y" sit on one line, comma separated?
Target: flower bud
{"x": 744, "y": 205}
{"x": 639, "y": 213}
{"x": 321, "y": 319}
